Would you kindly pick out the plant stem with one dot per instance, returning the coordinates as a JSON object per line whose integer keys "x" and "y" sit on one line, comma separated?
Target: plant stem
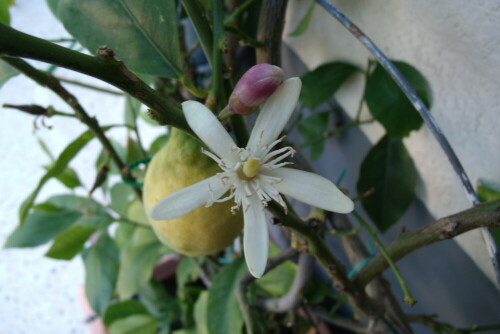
{"x": 482, "y": 215}
{"x": 429, "y": 120}
{"x": 218, "y": 31}
{"x": 271, "y": 23}
{"x": 82, "y": 84}
{"x": 232, "y": 17}
{"x": 104, "y": 67}
{"x": 438, "y": 326}
{"x": 201, "y": 26}
{"x": 408, "y": 299}
{"x": 47, "y": 80}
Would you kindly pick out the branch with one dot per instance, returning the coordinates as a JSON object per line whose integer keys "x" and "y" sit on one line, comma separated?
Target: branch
{"x": 47, "y": 80}
{"x": 271, "y": 23}
{"x": 379, "y": 289}
{"x": 437, "y": 326}
{"x": 291, "y": 299}
{"x": 105, "y": 67}
{"x": 482, "y": 215}
{"x": 426, "y": 115}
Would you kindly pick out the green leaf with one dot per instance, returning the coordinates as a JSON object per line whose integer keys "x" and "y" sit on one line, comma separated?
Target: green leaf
{"x": 313, "y": 130}
{"x": 6, "y": 72}
{"x": 143, "y": 34}
{"x": 70, "y": 242}
{"x": 304, "y": 22}
{"x": 122, "y": 310}
{"x": 278, "y": 281}
{"x": 488, "y": 192}
{"x": 158, "y": 302}
{"x": 53, "y": 4}
{"x": 93, "y": 214}
{"x": 388, "y": 104}
{"x": 158, "y": 143}
{"x": 134, "y": 151}
{"x": 138, "y": 323}
{"x": 4, "y": 11}
{"x": 389, "y": 169}
{"x": 320, "y": 84}
{"x": 59, "y": 166}
{"x": 132, "y": 110}
{"x": 136, "y": 213}
{"x": 136, "y": 267}
{"x": 68, "y": 177}
{"x": 41, "y": 227}
{"x": 187, "y": 271}
{"x": 121, "y": 197}
{"x": 200, "y": 313}
{"x": 101, "y": 270}
{"x": 104, "y": 158}
{"x": 222, "y": 306}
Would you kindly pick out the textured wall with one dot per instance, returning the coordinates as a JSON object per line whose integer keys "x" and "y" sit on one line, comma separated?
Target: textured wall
{"x": 455, "y": 45}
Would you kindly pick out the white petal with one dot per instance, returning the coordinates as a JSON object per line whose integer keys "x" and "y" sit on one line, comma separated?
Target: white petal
{"x": 312, "y": 189}
{"x": 255, "y": 237}
{"x": 204, "y": 123}
{"x": 275, "y": 113}
{"x": 187, "y": 199}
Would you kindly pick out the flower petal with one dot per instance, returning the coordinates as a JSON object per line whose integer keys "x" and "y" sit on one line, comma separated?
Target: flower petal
{"x": 204, "y": 123}
{"x": 255, "y": 237}
{"x": 274, "y": 114}
{"x": 312, "y": 189}
{"x": 187, "y": 199}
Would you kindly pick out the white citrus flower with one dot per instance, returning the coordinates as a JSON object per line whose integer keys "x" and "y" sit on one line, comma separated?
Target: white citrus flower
{"x": 253, "y": 175}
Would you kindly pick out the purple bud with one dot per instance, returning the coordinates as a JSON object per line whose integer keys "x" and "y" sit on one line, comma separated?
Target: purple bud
{"x": 254, "y": 87}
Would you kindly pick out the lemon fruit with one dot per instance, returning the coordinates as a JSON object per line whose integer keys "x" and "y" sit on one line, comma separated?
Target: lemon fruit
{"x": 202, "y": 231}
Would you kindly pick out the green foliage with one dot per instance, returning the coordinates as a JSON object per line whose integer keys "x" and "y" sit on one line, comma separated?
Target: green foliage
{"x": 70, "y": 242}
{"x": 4, "y": 12}
{"x": 223, "y": 310}
{"x": 104, "y": 159}
{"x": 320, "y": 84}
{"x": 101, "y": 271}
{"x": 57, "y": 168}
{"x": 48, "y": 220}
{"x": 313, "y": 130}
{"x": 137, "y": 323}
{"x": 41, "y": 227}
{"x": 388, "y": 104}
{"x": 137, "y": 261}
{"x": 158, "y": 143}
{"x": 122, "y": 310}
{"x": 389, "y": 169}
{"x": 6, "y": 72}
{"x": 304, "y": 22}
{"x": 142, "y": 33}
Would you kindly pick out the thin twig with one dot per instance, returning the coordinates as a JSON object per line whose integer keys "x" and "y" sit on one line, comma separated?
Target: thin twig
{"x": 54, "y": 85}
{"x": 339, "y": 321}
{"x": 429, "y": 120}
{"x": 86, "y": 85}
{"x": 408, "y": 299}
{"x": 291, "y": 299}
{"x": 431, "y": 323}
{"x": 482, "y": 215}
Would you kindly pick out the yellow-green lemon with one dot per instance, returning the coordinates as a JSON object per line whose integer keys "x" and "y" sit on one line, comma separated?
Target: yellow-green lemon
{"x": 202, "y": 231}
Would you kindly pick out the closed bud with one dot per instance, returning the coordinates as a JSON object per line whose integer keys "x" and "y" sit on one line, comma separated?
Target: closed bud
{"x": 253, "y": 88}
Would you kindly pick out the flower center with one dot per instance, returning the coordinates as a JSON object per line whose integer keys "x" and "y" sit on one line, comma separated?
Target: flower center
{"x": 250, "y": 169}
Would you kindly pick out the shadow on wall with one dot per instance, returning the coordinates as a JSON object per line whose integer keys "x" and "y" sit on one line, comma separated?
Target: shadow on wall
{"x": 442, "y": 277}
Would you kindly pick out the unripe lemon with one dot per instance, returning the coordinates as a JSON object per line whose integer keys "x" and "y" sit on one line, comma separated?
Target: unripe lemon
{"x": 202, "y": 231}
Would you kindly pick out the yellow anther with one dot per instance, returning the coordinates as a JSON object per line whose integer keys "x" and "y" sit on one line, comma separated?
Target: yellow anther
{"x": 251, "y": 168}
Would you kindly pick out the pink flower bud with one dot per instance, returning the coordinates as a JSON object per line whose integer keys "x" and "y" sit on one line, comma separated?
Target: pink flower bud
{"x": 253, "y": 88}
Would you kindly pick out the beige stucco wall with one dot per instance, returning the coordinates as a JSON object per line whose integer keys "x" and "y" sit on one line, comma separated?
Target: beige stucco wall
{"x": 456, "y": 45}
